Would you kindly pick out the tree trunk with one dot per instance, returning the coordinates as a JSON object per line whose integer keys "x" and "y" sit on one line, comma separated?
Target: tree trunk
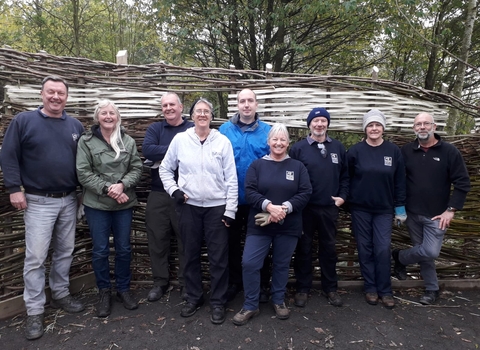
{"x": 461, "y": 65}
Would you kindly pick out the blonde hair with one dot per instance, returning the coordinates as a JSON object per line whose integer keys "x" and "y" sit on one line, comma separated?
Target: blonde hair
{"x": 116, "y": 137}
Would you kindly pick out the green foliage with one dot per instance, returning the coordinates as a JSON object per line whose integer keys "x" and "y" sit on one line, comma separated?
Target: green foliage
{"x": 408, "y": 40}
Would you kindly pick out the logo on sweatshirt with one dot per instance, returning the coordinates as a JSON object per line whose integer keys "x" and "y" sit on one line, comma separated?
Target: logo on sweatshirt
{"x": 75, "y": 137}
{"x": 387, "y": 161}
{"x": 334, "y": 158}
{"x": 290, "y": 175}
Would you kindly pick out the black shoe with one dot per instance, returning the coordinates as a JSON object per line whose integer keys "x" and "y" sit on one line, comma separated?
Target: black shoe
{"x": 300, "y": 299}
{"x": 157, "y": 292}
{"x": 68, "y": 303}
{"x": 264, "y": 295}
{"x": 127, "y": 300}
{"x": 218, "y": 315}
{"x": 399, "y": 270}
{"x": 429, "y": 297}
{"x": 105, "y": 303}
{"x": 232, "y": 291}
{"x": 189, "y": 309}
{"x": 34, "y": 327}
{"x": 333, "y": 298}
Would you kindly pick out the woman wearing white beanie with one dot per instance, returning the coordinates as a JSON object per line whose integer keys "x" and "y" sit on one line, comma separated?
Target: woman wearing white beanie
{"x": 377, "y": 190}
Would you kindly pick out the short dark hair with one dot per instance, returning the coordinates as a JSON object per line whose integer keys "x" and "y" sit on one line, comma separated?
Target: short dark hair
{"x": 54, "y": 78}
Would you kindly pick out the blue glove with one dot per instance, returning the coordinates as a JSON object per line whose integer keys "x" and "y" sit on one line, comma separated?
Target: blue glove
{"x": 400, "y": 215}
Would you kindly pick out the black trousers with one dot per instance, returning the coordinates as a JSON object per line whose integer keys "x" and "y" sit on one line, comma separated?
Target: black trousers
{"x": 197, "y": 224}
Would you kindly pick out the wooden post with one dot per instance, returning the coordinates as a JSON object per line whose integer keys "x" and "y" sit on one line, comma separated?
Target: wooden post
{"x": 268, "y": 75}
{"x": 269, "y": 69}
{"x": 444, "y": 88}
{"x": 122, "y": 57}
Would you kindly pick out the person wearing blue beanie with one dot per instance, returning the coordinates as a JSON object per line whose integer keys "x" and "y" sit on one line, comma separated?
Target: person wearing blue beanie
{"x": 326, "y": 162}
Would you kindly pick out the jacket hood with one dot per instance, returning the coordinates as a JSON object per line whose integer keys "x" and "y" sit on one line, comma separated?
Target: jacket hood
{"x": 236, "y": 117}
{"x": 214, "y": 133}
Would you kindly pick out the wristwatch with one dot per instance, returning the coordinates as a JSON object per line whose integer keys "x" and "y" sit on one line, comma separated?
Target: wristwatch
{"x": 451, "y": 209}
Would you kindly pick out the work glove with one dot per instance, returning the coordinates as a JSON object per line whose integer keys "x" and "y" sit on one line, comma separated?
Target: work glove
{"x": 179, "y": 196}
{"x": 400, "y": 215}
{"x": 262, "y": 219}
{"x": 227, "y": 220}
{"x": 80, "y": 212}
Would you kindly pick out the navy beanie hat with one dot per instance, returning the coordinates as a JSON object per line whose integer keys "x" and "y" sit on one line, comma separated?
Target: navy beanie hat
{"x": 318, "y": 112}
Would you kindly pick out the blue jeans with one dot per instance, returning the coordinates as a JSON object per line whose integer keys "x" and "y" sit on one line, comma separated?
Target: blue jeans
{"x": 101, "y": 224}
{"x": 48, "y": 221}
{"x": 321, "y": 219}
{"x": 254, "y": 253}
{"x": 373, "y": 233}
{"x": 427, "y": 241}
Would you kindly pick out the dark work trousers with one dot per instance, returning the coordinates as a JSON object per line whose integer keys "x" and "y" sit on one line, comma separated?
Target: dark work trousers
{"x": 161, "y": 222}
{"x": 373, "y": 233}
{"x": 197, "y": 223}
{"x": 236, "y": 232}
{"x": 324, "y": 220}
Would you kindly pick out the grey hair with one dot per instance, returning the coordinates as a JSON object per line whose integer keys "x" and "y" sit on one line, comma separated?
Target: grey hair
{"x": 116, "y": 137}
{"x": 278, "y": 128}
{"x": 171, "y": 93}
{"x": 204, "y": 100}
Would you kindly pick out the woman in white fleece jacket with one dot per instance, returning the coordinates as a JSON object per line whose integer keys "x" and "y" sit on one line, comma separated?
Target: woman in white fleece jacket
{"x": 206, "y": 193}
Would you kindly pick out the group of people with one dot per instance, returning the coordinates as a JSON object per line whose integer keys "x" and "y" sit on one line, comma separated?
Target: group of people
{"x": 242, "y": 182}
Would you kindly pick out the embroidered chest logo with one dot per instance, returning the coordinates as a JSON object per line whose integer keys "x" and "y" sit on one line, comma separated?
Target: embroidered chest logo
{"x": 75, "y": 137}
{"x": 334, "y": 158}
{"x": 436, "y": 158}
{"x": 290, "y": 175}
{"x": 387, "y": 161}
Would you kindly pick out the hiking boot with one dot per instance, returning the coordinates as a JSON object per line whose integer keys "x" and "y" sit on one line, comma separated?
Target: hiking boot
{"x": 399, "y": 270}
{"x": 105, "y": 303}
{"x": 218, "y": 315}
{"x": 388, "y": 301}
{"x": 157, "y": 292}
{"x": 189, "y": 309}
{"x": 68, "y": 303}
{"x": 264, "y": 295}
{"x": 242, "y": 317}
{"x": 371, "y": 298}
{"x": 127, "y": 300}
{"x": 300, "y": 299}
{"x": 333, "y": 298}
{"x": 232, "y": 291}
{"x": 281, "y": 311}
{"x": 429, "y": 297}
{"x": 34, "y": 327}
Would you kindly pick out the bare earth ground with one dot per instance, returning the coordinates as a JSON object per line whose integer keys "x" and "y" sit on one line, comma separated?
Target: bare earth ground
{"x": 454, "y": 323}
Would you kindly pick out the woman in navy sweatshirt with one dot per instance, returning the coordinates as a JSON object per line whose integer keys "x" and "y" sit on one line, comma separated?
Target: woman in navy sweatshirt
{"x": 377, "y": 191}
{"x": 277, "y": 188}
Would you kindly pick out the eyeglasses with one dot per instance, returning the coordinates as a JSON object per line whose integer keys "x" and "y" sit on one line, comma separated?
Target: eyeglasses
{"x": 202, "y": 112}
{"x": 323, "y": 150}
{"x": 426, "y": 124}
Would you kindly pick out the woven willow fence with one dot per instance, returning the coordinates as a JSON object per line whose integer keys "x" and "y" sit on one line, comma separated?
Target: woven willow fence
{"x": 282, "y": 97}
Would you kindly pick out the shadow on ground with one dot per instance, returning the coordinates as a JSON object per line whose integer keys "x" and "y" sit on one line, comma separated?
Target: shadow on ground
{"x": 454, "y": 323}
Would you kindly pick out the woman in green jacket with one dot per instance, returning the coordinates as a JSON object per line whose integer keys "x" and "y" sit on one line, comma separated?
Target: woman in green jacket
{"x": 108, "y": 168}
